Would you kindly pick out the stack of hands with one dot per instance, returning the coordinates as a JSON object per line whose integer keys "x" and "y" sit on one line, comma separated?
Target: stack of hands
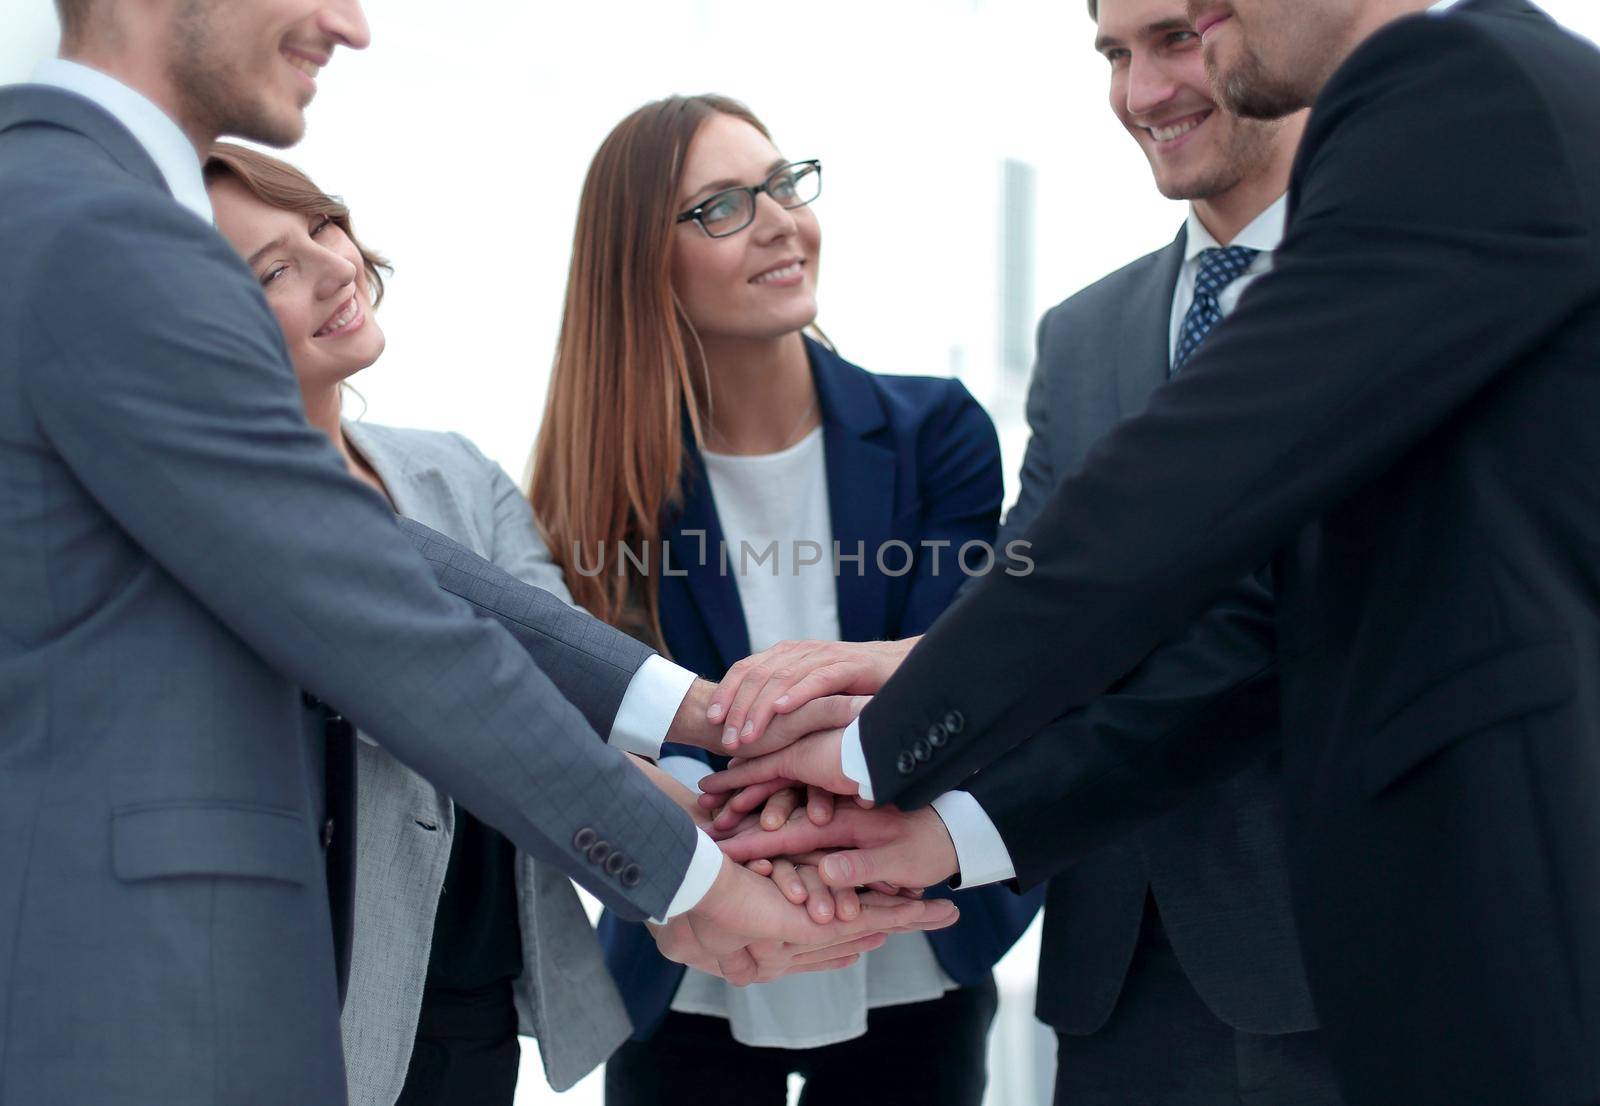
{"x": 809, "y": 882}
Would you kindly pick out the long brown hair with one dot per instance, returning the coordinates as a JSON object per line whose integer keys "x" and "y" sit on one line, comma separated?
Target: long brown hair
{"x": 609, "y": 458}
{"x": 280, "y": 184}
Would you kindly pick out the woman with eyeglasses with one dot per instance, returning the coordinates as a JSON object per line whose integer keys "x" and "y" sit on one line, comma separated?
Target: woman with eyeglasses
{"x": 701, "y": 460}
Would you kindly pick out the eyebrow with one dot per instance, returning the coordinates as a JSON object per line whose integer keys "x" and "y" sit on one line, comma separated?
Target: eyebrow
{"x": 255, "y": 258}
{"x": 1150, "y": 30}
{"x": 719, "y": 185}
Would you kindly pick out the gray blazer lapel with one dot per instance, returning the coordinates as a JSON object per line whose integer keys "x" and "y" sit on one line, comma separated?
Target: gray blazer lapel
{"x": 1146, "y": 348}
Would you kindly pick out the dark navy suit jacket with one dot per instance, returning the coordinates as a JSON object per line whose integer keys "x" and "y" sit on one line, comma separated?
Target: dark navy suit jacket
{"x": 909, "y": 459}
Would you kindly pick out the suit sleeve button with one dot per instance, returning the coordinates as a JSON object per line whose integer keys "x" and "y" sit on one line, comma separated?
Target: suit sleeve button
{"x": 584, "y": 839}
{"x": 922, "y": 750}
{"x": 938, "y": 736}
{"x": 327, "y": 834}
{"x": 599, "y": 851}
{"x": 954, "y": 722}
{"x": 615, "y": 863}
{"x": 631, "y": 875}
{"x": 906, "y": 763}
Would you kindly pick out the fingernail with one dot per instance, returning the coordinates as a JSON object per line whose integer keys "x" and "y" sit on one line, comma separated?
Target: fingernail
{"x": 770, "y": 821}
{"x": 836, "y": 867}
{"x": 749, "y": 728}
{"x": 730, "y": 736}
{"x": 714, "y": 712}
{"x": 797, "y": 889}
{"x": 781, "y": 701}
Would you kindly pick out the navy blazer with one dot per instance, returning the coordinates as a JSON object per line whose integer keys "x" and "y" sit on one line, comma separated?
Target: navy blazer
{"x": 911, "y": 459}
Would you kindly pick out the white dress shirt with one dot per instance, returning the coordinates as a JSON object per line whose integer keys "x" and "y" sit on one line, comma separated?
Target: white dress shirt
{"x": 151, "y": 127}
{"x": 780, "y": 500}
{"x": 658, "y": 688}
{"x": 980, "y": 850}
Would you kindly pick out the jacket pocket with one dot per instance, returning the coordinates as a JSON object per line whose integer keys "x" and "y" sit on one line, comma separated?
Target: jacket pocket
{"x": 1497, "y": 689}
{"x": 162, "y": 840}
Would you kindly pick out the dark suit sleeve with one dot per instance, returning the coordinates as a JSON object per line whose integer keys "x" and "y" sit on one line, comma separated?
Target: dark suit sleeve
{"x": 961, "y": 484}
{"x": 1193, "y": 713}
{"x": 1417, "y": 269}
{"x": 156, "y": 372}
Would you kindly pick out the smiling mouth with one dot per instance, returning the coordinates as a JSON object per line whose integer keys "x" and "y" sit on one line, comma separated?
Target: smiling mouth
{"x": 786, "y": 271}
{"x": 309, "y": 66}
{"x": 347, "y": 316}
{"x": 1171, "y": 132}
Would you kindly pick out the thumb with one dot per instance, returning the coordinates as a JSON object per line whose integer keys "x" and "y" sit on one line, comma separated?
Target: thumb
{"x": 851, "y": 868}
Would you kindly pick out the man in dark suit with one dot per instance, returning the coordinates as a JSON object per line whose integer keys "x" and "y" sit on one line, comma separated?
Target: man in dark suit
{"x": 181, "y": 553}
{"x": 1401, "y": 413}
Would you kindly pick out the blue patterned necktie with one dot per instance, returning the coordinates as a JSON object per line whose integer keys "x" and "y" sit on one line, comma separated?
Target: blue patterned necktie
{"x": 1218, "y": 269}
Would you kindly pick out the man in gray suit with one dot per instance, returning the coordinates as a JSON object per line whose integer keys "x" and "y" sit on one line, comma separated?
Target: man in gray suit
{"x": 180, "y": 554}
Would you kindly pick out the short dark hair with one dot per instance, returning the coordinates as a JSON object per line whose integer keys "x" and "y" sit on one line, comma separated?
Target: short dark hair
{"x": 1094, "y": 10}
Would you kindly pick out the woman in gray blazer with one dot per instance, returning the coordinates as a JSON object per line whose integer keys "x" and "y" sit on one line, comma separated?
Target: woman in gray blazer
{"x": 461, "y": 941}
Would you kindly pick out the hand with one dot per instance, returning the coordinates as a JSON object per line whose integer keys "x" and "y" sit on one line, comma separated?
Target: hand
{"x": 815, "y": 760}
{"x": 689, "y": 726}
{"x": 883, "y": 845}
{"x": 780, "y": 797}
{"x": 746, "y": 931}
{"x": 801, "y": 884}
{"x": 791, "y": 674}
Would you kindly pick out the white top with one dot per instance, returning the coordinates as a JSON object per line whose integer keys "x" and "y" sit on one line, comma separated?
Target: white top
{"x": 980, "y": 850}
{"x": 151, "y": 127}
{"x": 1264, "y": 233}
{"x": 782, "y": 498}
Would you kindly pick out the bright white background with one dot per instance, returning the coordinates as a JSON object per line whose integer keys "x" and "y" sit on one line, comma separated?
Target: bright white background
{"x": 461, "y": 138}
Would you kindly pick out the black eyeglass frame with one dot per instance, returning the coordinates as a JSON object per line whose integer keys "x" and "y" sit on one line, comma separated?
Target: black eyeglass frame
{"x": 754, "y": 191}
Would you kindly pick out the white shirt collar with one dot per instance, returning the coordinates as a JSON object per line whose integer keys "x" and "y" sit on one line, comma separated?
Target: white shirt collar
{"x": 1444, "y": 5}
{"x": 151, "y": 127}
{"x": 1264, "y": 233}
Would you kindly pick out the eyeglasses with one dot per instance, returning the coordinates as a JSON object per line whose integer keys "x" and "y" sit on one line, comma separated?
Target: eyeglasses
{"x": 793, "y": 185}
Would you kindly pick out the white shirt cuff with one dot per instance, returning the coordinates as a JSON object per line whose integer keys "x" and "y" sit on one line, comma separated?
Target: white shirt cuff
{"x": 649, "y": 706}
{"x": 686, "y": 770}
{"x": 704, "y": 867}
{"x": 980, "y": 852}
{"x": 853, "y": 759}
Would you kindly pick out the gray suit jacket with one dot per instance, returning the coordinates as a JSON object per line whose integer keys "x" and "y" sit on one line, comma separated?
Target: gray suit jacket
{"x": 1216, "y": 866}
{"x": 181, "y": 554}
{"x": 565, "y": 997}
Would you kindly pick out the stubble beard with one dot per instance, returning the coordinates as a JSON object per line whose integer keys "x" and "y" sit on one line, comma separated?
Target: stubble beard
{"x": 1249, "y": 91}
{"x": 1246, "y": 151}
{"x": 215, "y": 96}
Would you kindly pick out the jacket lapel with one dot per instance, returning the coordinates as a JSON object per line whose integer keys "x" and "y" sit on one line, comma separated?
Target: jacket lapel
{"x": 861, "y": 486}
{"x": 1146, "y": 324}
{"x": 714, "y": 595}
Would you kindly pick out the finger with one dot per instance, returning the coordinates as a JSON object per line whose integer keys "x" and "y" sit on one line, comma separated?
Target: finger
{"x": 846, "y": 905}
{"x": 760, "y": 867}
{"x": 737, "y": 967}
{"x": 779, "y": 807}
{"x": 787, "y": 877}
{"x": 906, "y": 914}
{"x": 854, "y": 868}
{"x": 775, "y": 663}
{"x": 819, "y": 899}
{"x": 819, "y": 805}
{"x": 723, "y": 695}
{"x": 853, "y": 947}
{"x": 752, "y": 797}
{"x": 824, "y": 966}
{"x": 747, "y": 772}
{"x": 765, "y": 731}
{"x": 798, "y": 836}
